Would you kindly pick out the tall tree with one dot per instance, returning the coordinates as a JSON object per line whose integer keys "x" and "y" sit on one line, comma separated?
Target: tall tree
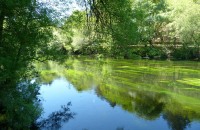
{"x": 150, "y": 18}
{"x": 25, "y": 30}
{"x": 113, "y": 19}
{"x": 185, "y": 27}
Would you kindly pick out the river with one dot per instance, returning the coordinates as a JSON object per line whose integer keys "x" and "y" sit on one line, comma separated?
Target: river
{"x": 120, "y": 94}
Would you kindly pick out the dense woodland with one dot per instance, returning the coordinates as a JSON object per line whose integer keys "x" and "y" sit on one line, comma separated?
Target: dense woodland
{"x": 134, "y": 29}
{"x": 31, "y": 30}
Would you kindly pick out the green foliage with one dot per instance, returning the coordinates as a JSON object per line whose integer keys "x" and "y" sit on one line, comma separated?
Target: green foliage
{"x": 151, "y": 52}
{"x": 187, "y": 24}
{"x": 76, "y": 31}
{"x": 184, "y": 27}
{"x": 17, "y": 101}
{"x": 120, "y": 29}
{"x": 114, "y": 26}
{"x": 150, "y": 19}
{"x": 112, "y": 23}
{"x": 186, "y": 53}
{"x": 25, "y": 32}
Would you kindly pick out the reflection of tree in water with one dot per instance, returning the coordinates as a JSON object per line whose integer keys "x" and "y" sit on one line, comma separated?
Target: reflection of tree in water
{"x": 120, "y": 128}
{"x": 19, "y": 105}
{"x": 148, "y": 105}
{"x": 176, "y": 121}
{"x": 55, "y": 119}
{"x": 145, "y": 104}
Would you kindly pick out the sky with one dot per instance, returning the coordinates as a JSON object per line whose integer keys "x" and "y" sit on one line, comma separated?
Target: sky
{"x": 62, "y": 7}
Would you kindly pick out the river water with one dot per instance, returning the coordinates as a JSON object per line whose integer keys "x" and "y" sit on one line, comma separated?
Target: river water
{"x": 121, "y": 94}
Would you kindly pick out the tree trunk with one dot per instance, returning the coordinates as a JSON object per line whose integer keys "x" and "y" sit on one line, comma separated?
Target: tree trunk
{"x": 2, "y": 17}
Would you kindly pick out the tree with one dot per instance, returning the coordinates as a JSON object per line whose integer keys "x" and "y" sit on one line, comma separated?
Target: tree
{"x": 150, "y": 19}
{"x": 77, "y": 31}
{"x": 185, "y": 27}
{"x": 25, "y": 32}
{"x": 112, "y": 20}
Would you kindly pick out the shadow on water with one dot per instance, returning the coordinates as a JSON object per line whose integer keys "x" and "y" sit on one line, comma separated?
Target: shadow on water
{"x": 55, "y": 119}
{"x": 176, "y": 122}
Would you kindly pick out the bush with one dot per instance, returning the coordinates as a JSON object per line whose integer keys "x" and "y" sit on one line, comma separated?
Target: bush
{"x": 131, "y": 55}
{"x": 185, "y": 53}
{"x": 152, "y": 52}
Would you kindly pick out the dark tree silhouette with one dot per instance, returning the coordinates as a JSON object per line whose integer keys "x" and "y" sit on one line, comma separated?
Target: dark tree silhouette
{"x": 55, "y": 119}
{"x": 176, "y": 122}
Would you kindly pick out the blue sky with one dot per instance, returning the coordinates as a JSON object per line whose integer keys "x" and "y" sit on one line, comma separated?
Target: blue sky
{"x": 62, "y": 7}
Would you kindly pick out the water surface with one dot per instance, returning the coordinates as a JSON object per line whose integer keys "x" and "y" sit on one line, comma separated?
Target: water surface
{"x": 123, "y": 94}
